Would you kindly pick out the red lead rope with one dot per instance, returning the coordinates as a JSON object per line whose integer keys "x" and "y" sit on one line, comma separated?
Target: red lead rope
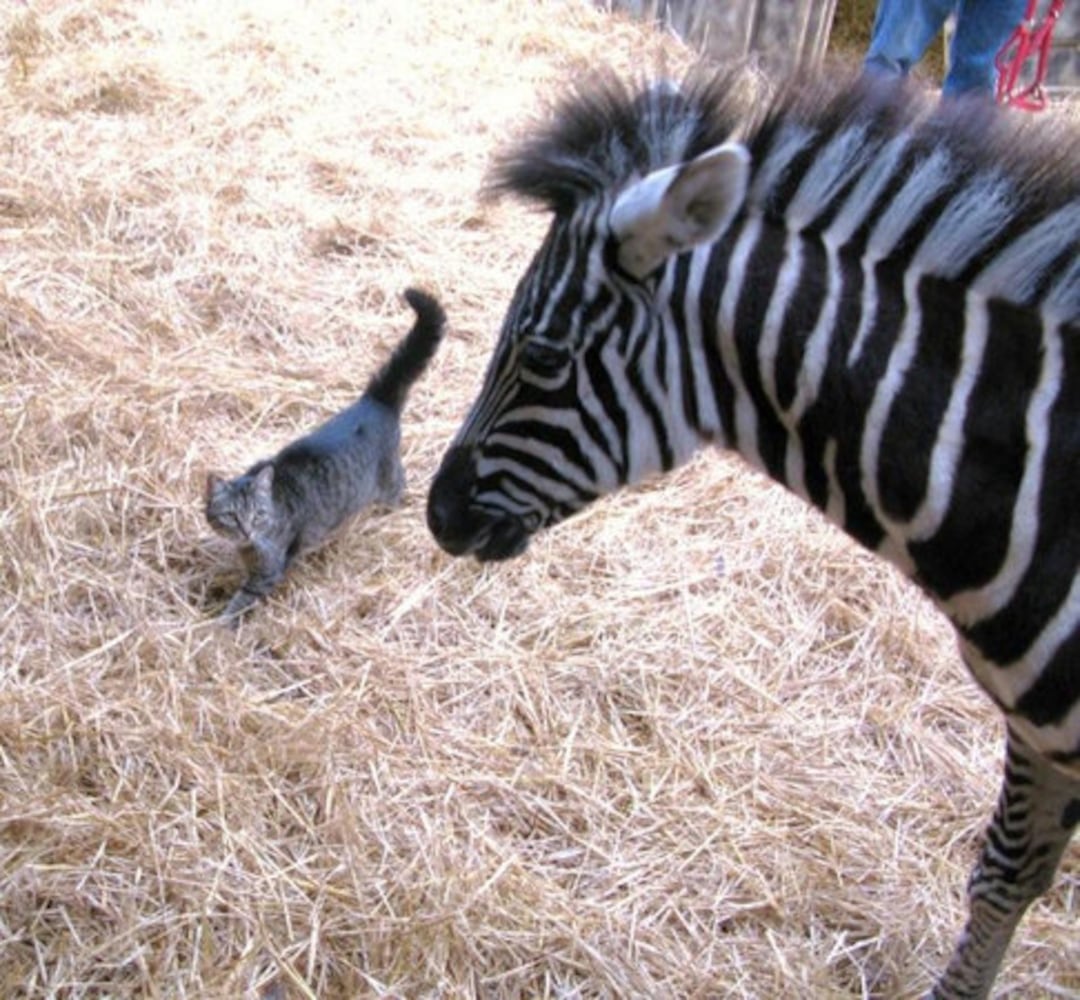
{"x": 1029, "y": 42}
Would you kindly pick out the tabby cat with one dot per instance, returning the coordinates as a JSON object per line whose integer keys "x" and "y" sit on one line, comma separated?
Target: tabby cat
{"x": 291, "y": 503}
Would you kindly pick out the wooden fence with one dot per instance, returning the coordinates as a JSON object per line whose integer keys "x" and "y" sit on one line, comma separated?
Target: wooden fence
{"x": 782, "y": 35}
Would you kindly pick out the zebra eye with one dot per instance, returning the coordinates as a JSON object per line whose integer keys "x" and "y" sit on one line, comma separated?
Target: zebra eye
{"x": 543, "y": 358}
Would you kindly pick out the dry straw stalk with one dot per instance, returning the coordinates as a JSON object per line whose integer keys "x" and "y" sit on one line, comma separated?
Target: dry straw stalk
{"x": 741, "y": 760}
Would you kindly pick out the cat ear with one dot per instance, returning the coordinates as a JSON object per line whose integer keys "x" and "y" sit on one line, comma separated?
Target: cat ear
{"x": 264, "y": 480}
{"x": 213, "y": 484}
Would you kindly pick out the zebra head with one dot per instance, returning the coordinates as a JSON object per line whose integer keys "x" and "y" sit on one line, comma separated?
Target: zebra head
{"x": 579, "y": 394}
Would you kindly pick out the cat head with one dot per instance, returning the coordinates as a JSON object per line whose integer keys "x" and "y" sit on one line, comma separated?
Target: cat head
{"x": 241, "y": 509}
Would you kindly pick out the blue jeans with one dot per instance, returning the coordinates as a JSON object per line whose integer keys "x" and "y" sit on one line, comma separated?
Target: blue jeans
{"x": 904, "y": 28}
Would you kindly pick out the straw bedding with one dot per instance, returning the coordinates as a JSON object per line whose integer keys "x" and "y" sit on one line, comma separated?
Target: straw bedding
{"x": 695, "y": 744}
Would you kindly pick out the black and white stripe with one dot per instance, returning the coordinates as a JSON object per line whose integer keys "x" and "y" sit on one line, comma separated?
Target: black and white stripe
{"x": 886, "y": 319}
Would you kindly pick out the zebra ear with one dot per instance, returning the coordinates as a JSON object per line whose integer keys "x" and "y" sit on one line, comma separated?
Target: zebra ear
{"x": 678, "y": 208}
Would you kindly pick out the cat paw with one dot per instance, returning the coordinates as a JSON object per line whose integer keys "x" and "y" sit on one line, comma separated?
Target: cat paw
{"x": 235, "y": 609}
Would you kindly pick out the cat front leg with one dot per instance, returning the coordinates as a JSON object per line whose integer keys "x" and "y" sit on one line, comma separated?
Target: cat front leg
{"x": 265, "y": 571}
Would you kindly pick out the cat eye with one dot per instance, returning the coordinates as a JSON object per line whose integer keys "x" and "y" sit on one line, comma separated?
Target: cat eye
{"x": 544, "y": 358}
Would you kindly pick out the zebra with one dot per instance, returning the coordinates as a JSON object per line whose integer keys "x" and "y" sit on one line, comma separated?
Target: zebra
{"x": 872, "y": 296}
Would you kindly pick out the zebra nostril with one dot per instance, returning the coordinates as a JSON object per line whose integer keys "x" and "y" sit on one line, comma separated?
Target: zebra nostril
{"x": 448, "y": 497}
{"x": 436, "y": 515}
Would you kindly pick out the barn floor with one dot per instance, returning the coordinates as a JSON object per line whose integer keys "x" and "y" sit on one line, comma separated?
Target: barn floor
{"x": 695, "y": 744}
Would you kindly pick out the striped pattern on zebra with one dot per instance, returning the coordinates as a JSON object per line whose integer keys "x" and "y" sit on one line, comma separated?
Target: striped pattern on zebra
{"x": 875, "y": 299}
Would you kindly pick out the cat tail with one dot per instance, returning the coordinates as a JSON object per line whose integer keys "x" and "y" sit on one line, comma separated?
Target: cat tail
{"x": 392, "y": 382}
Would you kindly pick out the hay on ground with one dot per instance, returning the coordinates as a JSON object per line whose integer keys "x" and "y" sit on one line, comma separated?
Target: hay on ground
{"x": 741, "y": 760}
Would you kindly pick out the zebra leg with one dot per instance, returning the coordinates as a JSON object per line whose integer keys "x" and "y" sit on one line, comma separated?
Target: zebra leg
{"x": 1035, "y": 817}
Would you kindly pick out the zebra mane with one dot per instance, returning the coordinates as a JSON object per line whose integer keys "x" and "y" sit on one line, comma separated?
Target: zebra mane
{"x": 814, "y": 142}
{"x": 606, "y": 131}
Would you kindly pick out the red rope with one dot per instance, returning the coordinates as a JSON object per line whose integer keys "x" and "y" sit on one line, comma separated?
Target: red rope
{"x": 1028, "y": 42}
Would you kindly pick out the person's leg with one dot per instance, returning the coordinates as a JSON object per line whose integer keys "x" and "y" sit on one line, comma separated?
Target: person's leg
{"x": 982, "y": 27}
{"x": 902, "y": 31}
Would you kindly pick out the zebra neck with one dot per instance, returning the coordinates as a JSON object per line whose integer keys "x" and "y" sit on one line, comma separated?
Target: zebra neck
{"x": 808, "y": 348}
{"x": 899, "y": 402}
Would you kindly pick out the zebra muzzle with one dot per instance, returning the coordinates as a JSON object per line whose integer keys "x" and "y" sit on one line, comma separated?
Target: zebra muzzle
{"x": 462, "y": 527}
